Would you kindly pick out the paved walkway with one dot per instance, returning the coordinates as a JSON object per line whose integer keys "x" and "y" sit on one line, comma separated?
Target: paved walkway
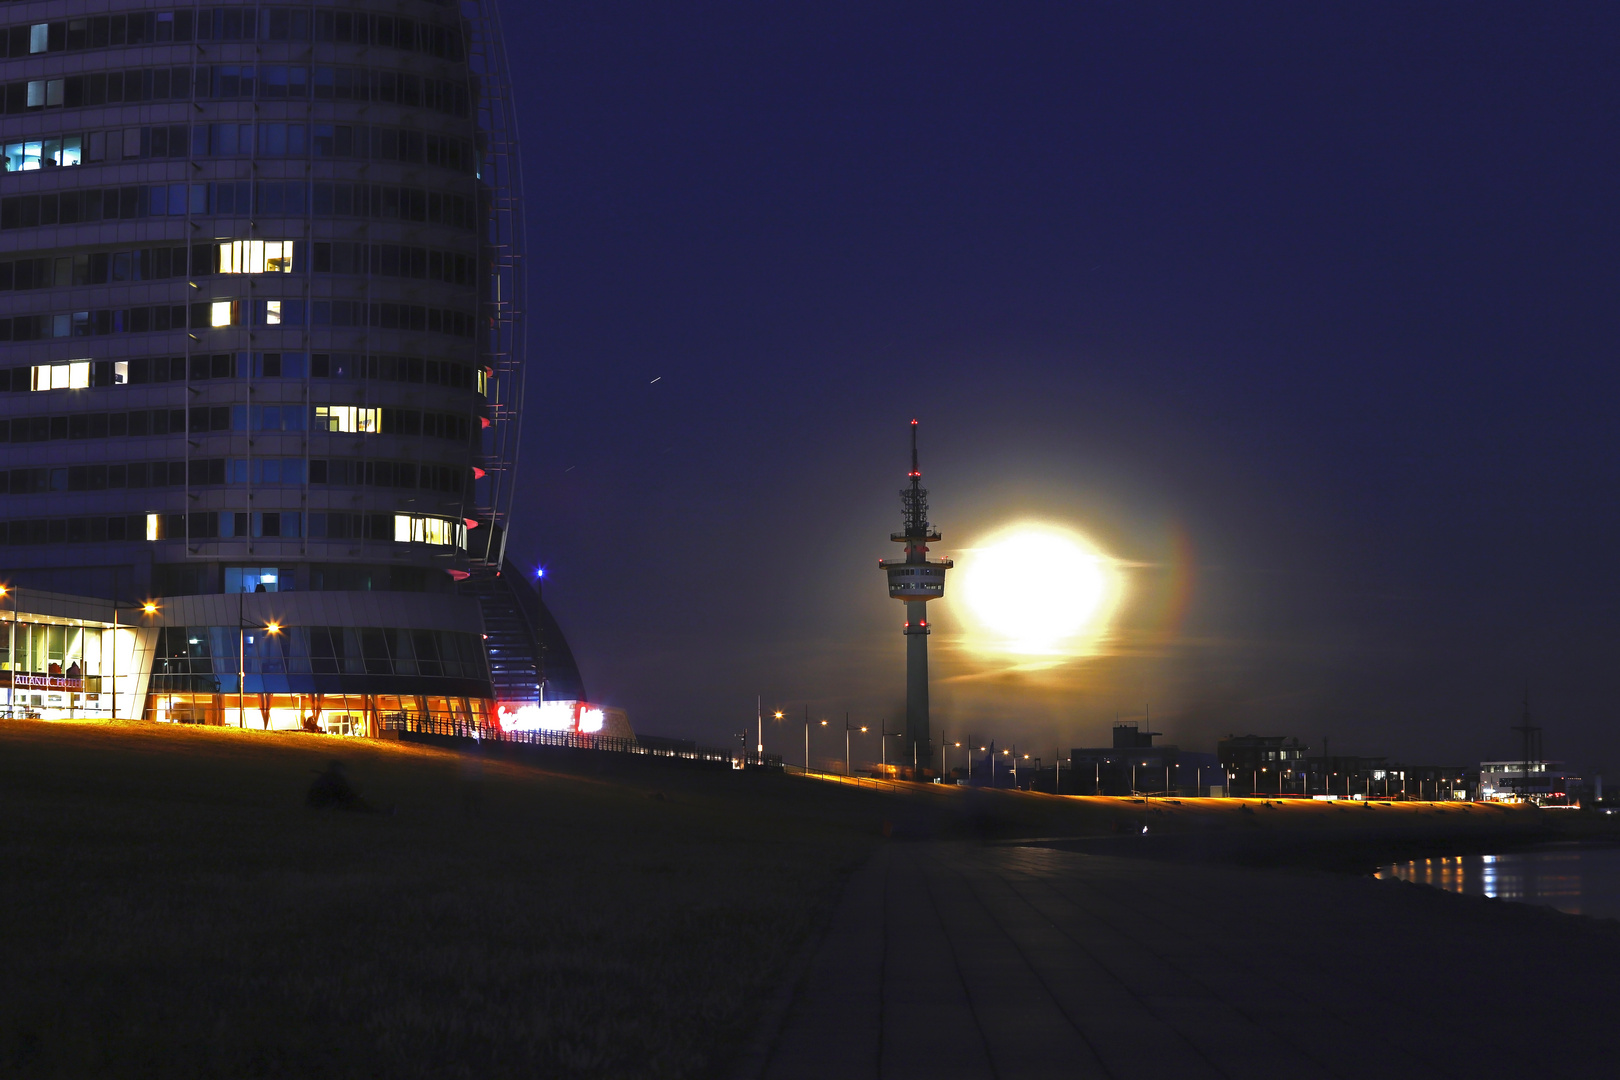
{"x": 962, "y": 961}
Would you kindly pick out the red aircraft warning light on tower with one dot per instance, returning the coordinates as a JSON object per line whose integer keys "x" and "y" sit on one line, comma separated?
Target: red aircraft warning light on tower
{"x": 916, "y": 579}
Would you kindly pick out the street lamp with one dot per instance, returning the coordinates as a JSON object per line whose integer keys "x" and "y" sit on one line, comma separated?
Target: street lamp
{"x": 272, "y": 627}
{"x": 11, "y": 652}
{"x": 847, "y": 729}
{"x": 148, "y": 609}
{"x": 883, "y": 739}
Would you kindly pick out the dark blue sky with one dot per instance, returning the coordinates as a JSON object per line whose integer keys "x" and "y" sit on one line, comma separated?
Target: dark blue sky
{"x": 1320, "y": 297}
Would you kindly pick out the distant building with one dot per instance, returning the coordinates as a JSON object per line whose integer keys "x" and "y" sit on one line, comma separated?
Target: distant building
{"x": 1133, "y": 764}
{"x": 1542, "y": 782}
{"x": 1263, "y": 764}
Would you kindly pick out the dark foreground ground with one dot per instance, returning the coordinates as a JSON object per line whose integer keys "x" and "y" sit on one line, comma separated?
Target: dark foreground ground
{"x": 172, "y": 908}
{"x": 974, "y": 961}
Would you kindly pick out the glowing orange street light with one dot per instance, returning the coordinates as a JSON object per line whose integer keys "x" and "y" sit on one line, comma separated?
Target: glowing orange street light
{"x": 272, "y": 628}
{"x": 149, "y": 608}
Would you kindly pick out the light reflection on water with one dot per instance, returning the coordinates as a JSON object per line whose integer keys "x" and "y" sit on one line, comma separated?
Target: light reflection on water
{"x": 1579, "y": 880}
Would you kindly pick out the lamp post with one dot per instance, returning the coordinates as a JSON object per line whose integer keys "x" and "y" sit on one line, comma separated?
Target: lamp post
{"x": 11, "y": 652}
{"x": 847, "y": 729}
{"x": 148, "y": 609}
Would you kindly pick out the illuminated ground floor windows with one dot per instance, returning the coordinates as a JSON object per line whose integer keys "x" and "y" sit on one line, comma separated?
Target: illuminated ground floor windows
{"x": 360, "y": 715}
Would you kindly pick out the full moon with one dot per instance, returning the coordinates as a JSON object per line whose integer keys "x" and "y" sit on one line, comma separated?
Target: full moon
{"x": 1040, "y": 590}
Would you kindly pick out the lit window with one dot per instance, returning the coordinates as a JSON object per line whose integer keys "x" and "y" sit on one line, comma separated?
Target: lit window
{"x": 39, "y": 37}
{"x": 256, "y": 257}
{"x": 73, "y": 375}
{"x": 151, "y": 526}
{"x": 272, "y": 313}
{"x": 350, "y": 418}
{"x": 252, "y": 579}
{"x": 219, "y": 313}
{"x": 65, "y": 151}
{"x": 412, "y": 529}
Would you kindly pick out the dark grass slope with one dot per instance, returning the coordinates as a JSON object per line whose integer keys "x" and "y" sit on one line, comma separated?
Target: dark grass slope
{"x": 172, "y": 908}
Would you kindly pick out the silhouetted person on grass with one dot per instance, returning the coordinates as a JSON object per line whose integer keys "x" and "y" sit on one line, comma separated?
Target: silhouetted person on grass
{"x": 331, "y": 790}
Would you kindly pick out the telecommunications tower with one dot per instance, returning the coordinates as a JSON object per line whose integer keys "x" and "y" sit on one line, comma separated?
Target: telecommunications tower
{"x": 916, "y": 579}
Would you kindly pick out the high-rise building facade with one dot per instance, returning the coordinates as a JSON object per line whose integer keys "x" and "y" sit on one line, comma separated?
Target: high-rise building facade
{"x": 260, "y": 358}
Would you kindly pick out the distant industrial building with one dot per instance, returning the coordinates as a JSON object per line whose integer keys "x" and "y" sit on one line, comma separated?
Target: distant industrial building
{"x": 1134, "y": 764}
{"x": 1263, "y": 764}
{"x": 1541, "y": 782}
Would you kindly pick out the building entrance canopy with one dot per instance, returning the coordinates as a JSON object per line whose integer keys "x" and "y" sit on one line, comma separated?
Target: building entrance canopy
{"x": 68, "y": 657}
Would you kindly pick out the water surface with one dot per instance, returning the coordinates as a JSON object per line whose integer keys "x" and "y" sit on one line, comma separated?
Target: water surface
{"x": 1581, "y": 880}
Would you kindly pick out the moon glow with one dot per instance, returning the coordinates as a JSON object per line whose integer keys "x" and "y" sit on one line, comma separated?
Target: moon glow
{"x": 1039, "y": 590}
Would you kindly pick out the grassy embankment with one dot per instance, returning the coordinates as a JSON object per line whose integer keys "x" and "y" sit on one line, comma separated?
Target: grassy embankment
{"x": 172, "y": 908}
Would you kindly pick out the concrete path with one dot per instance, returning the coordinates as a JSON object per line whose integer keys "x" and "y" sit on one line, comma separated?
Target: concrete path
{"x": 1024, "y": 962}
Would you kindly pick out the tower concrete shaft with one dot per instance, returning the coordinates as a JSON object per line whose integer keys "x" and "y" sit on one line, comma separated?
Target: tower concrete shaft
{"x": 918, "y": 738}
{"x": 916, "y": 579}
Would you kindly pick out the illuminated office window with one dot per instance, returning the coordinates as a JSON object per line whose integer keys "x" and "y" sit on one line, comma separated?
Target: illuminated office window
{"x": 73, "y": 375}
{"x": 219, "y": 313}
{"x": 37, "y": 153}
{"x": 350, "y": 418}
{"x": 413, "y": 529}
{"x": 151, "y": 526}
{"x": 272, "y": 313}
{"x": 256, "y": 257}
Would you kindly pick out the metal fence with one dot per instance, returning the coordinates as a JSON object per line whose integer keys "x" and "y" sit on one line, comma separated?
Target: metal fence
{"x": 572, "y": 740}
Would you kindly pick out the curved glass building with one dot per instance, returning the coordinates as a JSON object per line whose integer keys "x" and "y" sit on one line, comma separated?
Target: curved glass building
{"x": 260, "y": 360}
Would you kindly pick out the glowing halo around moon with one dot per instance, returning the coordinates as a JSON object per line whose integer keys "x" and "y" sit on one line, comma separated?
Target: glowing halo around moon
{"x": 1039, "y": 590}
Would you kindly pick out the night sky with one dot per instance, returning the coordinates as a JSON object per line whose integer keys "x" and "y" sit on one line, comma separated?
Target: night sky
{"x": 1304, "y": 313}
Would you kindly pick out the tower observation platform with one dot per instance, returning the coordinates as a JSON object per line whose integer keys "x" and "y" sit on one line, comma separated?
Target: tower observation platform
{"x": 916, "y": 579}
